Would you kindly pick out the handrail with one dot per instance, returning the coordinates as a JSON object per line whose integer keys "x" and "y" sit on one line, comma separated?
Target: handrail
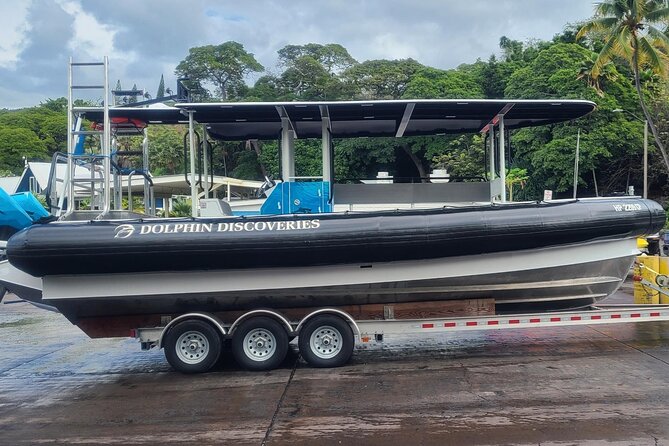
{"x": 387, "y": 180}
{"x": 148, "y": 178}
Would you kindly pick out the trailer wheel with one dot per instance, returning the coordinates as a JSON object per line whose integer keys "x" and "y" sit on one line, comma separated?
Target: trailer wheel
{"x": 192, "y": 346}
{"x": 260, "y": 343}
{"x": 326, "y": 341}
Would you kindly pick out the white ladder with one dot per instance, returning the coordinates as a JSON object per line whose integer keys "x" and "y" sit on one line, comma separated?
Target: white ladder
{"x": 99, "y": 163}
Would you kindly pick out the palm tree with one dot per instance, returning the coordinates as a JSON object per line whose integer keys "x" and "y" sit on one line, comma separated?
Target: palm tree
{"x": 629, "y": 28}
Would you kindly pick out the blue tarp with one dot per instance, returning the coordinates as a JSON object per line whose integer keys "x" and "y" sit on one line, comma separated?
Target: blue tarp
{"x": 30, "y": 205}
{"x": 11, "y": 213}
{"x": 18, "y": 211}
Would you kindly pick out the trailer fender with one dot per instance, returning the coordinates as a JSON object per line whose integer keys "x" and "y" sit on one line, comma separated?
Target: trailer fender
{"x": 347, "y": 317}
{"x": 213, "y": 320}
{"x": 273, "y": 314}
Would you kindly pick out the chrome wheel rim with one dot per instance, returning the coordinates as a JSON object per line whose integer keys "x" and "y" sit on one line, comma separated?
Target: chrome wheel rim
{"x": 326, "y": 342}
{"x": 259, "y": 344}
{"x": 192, "y": 347}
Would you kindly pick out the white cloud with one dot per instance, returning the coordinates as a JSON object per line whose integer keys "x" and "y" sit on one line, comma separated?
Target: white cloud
{"x": 13, "y": 32}
{"x": 147, "y": 38}
{"x": 90, "y": 36}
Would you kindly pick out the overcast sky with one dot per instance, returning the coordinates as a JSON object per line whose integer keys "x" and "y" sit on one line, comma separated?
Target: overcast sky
{"x": 147, "y": 38}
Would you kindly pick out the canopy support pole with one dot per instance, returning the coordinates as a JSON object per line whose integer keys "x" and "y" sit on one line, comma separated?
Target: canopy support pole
{"x": 205, "y": 161}
{"x": 148, "y": 208}
{"x": 193, "y": 185}
{"x": 491, "y": 153}
{"x": 326, "y": 144}
{"x": 287, "y": 150}
{"x": 502, "y": 159}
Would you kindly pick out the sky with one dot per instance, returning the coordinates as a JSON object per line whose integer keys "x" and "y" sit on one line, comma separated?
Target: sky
{"x": 147, "y": 38}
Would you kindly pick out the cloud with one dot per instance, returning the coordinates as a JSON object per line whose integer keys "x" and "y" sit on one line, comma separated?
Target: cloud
{"x": 145, "y": 39}
{"x": 14, "y": 32}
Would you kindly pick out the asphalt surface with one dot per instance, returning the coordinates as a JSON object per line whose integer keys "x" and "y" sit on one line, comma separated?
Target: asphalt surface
{"x": 604, "y": 384}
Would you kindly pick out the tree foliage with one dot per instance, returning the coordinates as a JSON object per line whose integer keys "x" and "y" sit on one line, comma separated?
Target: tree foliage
{"x": 540, "y": 157}
{"x": 224, "y": 66}
{"x": 19, "y": 144}
{"x": 161, "y": 88}
{"x": 631, "y": 32}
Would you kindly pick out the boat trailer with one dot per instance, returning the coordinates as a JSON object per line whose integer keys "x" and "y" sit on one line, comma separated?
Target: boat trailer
{"x": 328, "y": 336}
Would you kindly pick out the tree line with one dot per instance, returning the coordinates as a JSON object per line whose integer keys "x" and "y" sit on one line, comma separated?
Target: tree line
{"x": 617, "y": 59}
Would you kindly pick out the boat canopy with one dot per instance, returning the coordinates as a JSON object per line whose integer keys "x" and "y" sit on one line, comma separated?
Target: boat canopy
{"x": 347, "y": 119}
{"x": 286, "y": 121}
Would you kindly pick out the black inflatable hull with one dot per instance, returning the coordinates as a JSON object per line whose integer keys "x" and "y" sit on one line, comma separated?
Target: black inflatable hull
{"x": 105, "y": 247}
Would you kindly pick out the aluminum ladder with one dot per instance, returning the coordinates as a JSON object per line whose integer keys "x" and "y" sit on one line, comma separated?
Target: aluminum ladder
{"x": 98, "y": 183}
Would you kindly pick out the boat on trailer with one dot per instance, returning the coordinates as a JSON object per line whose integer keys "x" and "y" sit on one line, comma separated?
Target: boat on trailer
{"x": 555, "y": 255}
{"x": 319, "y": 244}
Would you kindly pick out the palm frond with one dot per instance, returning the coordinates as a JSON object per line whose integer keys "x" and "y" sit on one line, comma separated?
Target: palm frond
{"x": 659, "y": 39}
{"x": 604, "y": 24}
{"x": 638, "y": 8}
{"x": 622, "y": 46}
{"x": 658, "y": 15}
{"x": 610, "y": 8}
{"x": 651, "y": 57}
{"x": 605, "y": 55}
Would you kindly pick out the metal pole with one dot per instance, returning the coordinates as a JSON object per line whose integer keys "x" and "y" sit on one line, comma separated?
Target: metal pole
{"x": 193, "y": 186}
{"x": 578, "y": 145}
{"x": 69, "y": 173}
{"x": 145, "y": 168}
{"x": 502, "y": 160}
{"x": 325, "y": 146}
{"x": 491, "y": 152}
{"x": 106, "y": 149}
{"x": 287, "y": 151}
{"x": 205, "y": 159}
{"x": 645, "y": 158}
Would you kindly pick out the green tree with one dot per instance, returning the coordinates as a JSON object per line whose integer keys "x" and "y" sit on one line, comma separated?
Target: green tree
{"x": 166, "y": 149}
{"x": 381, "y": 79}
{"x": 515, "y": 176}
{"x": 463, "y": 156}
{"x": 267, "y": 88}
{"x": 161, "y": 88}
{"x": 333, "y": 57}
{"x": 306, "y": 79}
{"x": 49, "y": 125}
{"x": 630, "y": 31}
{"x": 181, "y": 207}
{"x": 58, "y": 105}
{"x": 223, "y": 66}
{"x": 17, "y": 144}
{"x": 431, "y": 83}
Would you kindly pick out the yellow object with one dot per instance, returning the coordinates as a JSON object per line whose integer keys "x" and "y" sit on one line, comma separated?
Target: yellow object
{"x": 664, "y": 269}
{"x": 644, "y": 294}
{"x": 641, "y": 243}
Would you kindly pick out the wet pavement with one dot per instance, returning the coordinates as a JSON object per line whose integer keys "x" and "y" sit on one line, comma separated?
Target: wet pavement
{"x": 604, "y": 384}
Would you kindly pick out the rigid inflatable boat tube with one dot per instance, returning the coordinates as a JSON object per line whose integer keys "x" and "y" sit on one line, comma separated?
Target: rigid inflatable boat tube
{"x": 323, "y": 239}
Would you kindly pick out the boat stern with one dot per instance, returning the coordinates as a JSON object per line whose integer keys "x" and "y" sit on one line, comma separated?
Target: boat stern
{"x": 24, "y": 286}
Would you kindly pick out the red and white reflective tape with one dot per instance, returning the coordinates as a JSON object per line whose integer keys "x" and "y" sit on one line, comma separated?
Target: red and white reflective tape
{"x": 568, "y": 319}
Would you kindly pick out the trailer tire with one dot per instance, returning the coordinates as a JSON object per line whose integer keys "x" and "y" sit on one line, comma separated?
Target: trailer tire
{"x": 326, "y": 341}
{"x": 192, "y": 346}
{"x": 260, "y": 343}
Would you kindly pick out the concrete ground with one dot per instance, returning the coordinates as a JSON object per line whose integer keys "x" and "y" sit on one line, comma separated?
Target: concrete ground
{"x": 605, "y": 384}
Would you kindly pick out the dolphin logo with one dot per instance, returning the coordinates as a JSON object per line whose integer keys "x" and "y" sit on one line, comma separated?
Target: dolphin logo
{"x": 124, "y": 231}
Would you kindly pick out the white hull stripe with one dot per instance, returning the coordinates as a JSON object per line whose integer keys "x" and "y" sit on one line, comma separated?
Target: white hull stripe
{"x": 194, "y": 282}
